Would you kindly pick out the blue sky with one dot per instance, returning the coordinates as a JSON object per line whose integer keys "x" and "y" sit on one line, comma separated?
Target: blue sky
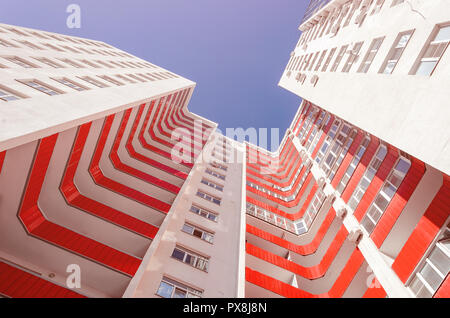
{"x": 235, "y": 50}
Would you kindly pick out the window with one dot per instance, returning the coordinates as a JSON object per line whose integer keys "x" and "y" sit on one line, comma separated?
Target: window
{"x": 44, "y": 88}
{"x": 212, "y": 184}
{"x": 433, "y": 52}
{"x": 55, "y": 37}
{"x": 19, "y": 61}
{"x": 434, "y": 269}
{"x": 314, "y": 208}
{"x": 384, "y": 197}
{"x": 330, "y": 137}
{"x": 209, "y": 197}
{"x": 313, "y": 61}
{"x": 215, "y": 174}
{"x": 219, "y": 166}
{"x": 126, "y": 79}
{"x": 339, "y": 58}
{"x": 90, "y": 63}
{"x": 6, "y": 43}
{"x": 48, "y": 62}
{"x": 327, "y": 62}
{"x": 153, "y": 77}
{"x": 53, "y": 47}
{"x": 396, "y": 51}
{"x": 84, "y": 50}
{"x": 146, "y": 77}
{"x": 352, "y": 56}
{"x": 117, "y": 64}
{"x": 72, "y": 63}
{"x": 8, "y": 95}
{"x": 168, "y": 288}
{"x": 92, "y": 81}
{"x": 377, "y": 6}
{"x": 98, "y": 51}
{"x": 104, "y": 63}
{"x": 370, "y": 55}
{"x": 204, "y": 213}
{"x": 343, "y": 153}
{"x": 111, "y": 80}
{"x": 136, "y": 78}
{"x": 335, "y": 149}
{"x": 70, "y": 49}
{"x": 191, "y": 258}
{"x": 367, "y": 177}
{"x": 158, "y": 76}
{"x": 30, "y": 45}
{"x": 271, "y": 217}
{"x": 320, "y": 60}
{"x": 195, "y": 231}
{"x": 351, "y": 13}
{"x": 17, "y": 32}
{"x": 353, "y": 164}
{"x": 39, "y": 35}
{"x": 395, "y": 2}
{"x": 306, "y": 62}
{"x": 70, "y": 83}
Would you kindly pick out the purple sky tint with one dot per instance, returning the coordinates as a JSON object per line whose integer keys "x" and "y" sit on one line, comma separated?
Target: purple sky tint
{"x": 235, "y": 50}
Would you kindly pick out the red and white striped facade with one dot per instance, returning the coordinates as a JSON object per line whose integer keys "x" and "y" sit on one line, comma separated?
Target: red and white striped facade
{"x": 105, "y": 178}
{"x": 356, "y": 202}
{"x": 94, "y": 177}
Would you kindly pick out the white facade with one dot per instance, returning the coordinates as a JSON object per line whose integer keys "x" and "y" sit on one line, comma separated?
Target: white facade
{"x": 409, "y": 111}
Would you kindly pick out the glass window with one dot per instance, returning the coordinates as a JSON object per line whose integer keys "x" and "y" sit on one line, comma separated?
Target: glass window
{"x": 48, "y": 62}
{"x": 41, "y": 87}
{"x": 93, "y": 81}
{"x": 110, "y": 79}
{"x": 339, "y": 58}
{"x": 434, "y": 51}
{"x": 7, "y": 95}
{"x": 352, "y": 57}
{"x": 395, "y": 52}
{"x": 197, "y": 232}
{"x": 19, "y": 61}
{"x": 170, "y": 288}
{"x": 72, "y": 63}
{"x": 190, "y": 258}
{"x": 70, "y": 83}
{"x": 433, "y": 270}
{"x": 385, "y": 195}
{"x": 370, "y": 55}
{"x": 367, "y": 177}
{"x": 165, "y": 290}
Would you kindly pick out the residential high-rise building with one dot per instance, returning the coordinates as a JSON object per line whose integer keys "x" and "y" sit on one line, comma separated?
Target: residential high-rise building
{"x": 362, "y": 194}
{"x": 111, "y": 187}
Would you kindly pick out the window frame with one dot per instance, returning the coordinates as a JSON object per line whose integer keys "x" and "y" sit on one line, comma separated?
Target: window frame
{"x": 392, "y": 51}
{"x": 205, "y": 213}
{"x": 195, "y": 292}
{"x": 371, "y": 49}
{"x": 62, "y": 81}
{"x": 435, "y": 244}
{"x": 42, "y": 84}
{"x": 367, "y": 217}
{"x": 425, "y": 48}
{"x": 339, "y": 58}
{"x": 191, "y": 258}
{"x": 11, "y": 92}
{"x": 205, "y": 235}
{"x": 19, "y": 61}
{"x": 89, "y": 79}
{"x": 352, "y": 57}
